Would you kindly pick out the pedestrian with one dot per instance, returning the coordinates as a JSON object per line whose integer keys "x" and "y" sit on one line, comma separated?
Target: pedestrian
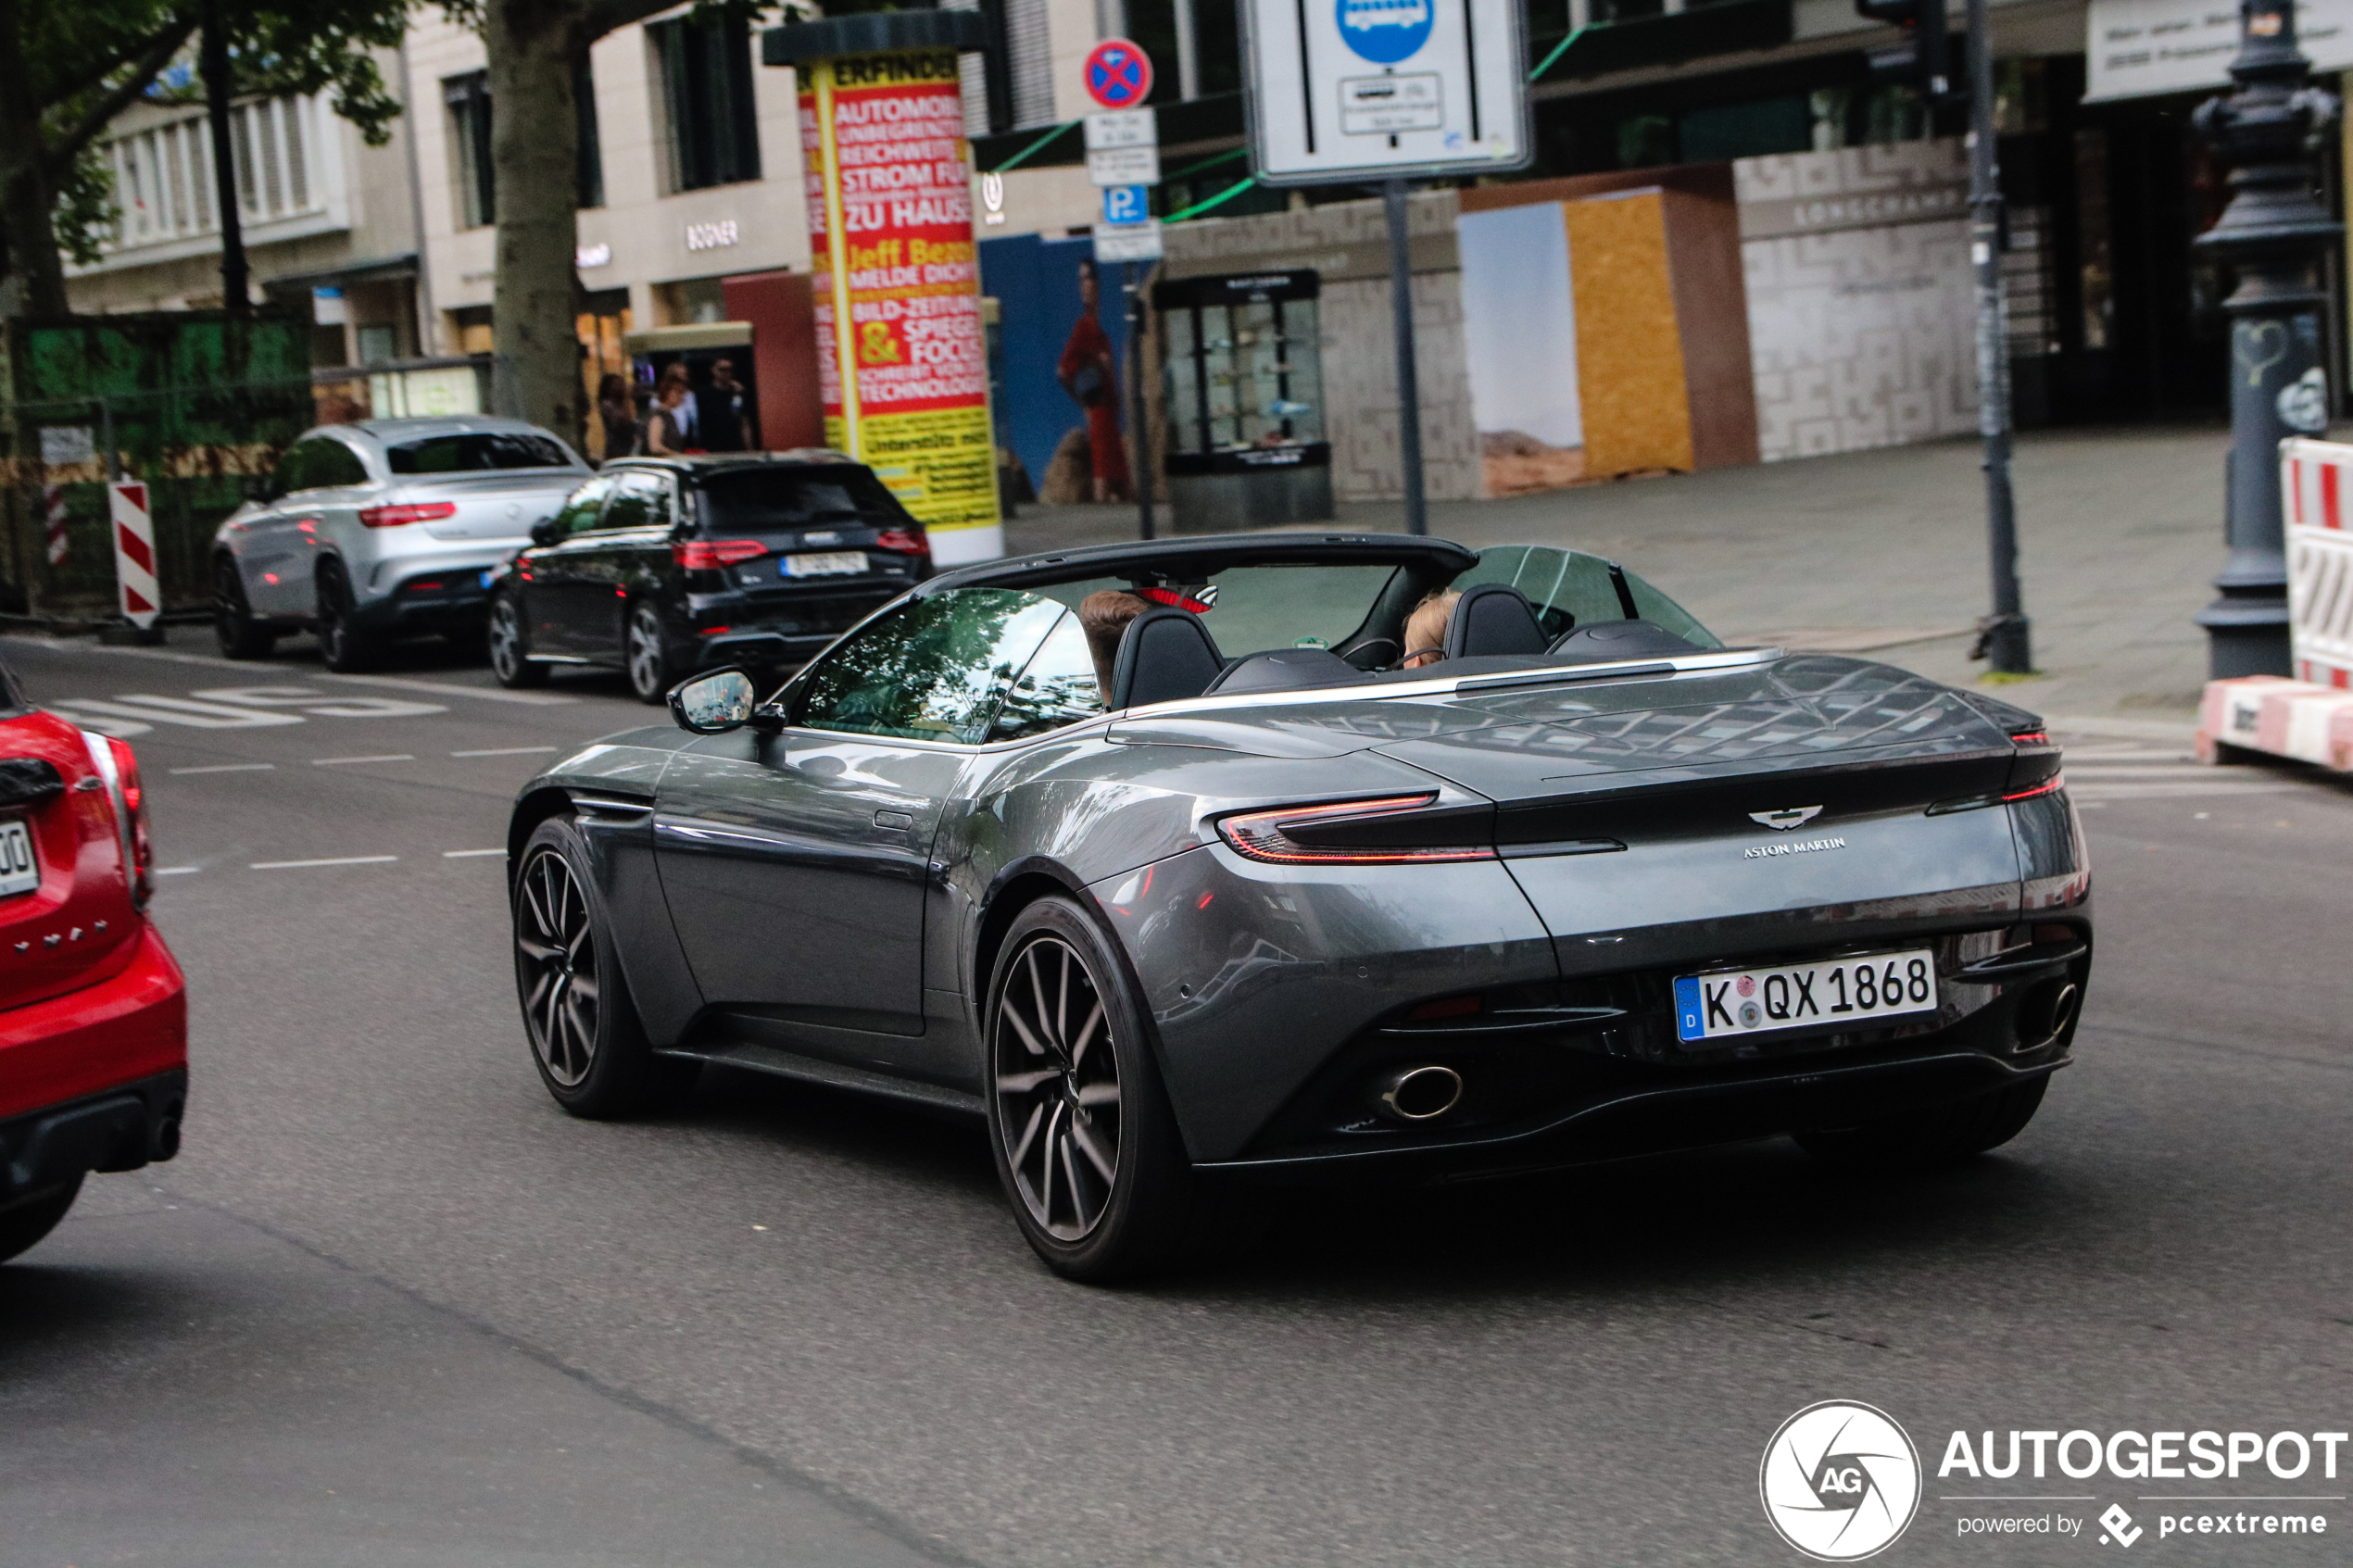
{"x": 1090, "y": 372}
{"x": 618, "y": 411}
{"x": 670, "y": 427}
{"x": 718, "y": 410}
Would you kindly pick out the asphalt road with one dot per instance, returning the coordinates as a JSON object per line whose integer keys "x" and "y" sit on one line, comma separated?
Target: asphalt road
{"x": 391, "y": 1307}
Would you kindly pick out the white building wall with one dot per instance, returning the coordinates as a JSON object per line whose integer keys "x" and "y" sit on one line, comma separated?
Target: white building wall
{"x": 642, "y": 226}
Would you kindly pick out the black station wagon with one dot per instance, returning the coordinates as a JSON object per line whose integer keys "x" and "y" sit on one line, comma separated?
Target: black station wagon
{"x": 664, "y": 566}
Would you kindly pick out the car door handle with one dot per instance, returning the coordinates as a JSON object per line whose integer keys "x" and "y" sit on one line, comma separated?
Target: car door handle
{"x": 894, "y": 820}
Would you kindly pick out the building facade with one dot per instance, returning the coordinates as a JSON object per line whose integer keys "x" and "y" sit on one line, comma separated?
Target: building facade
{"x": 329, "y": 223}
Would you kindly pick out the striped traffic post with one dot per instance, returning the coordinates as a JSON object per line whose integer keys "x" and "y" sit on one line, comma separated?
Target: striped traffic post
{"x": 134, "y": 552}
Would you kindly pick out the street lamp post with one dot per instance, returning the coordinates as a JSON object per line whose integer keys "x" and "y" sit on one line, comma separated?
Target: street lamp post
{"x": 2275, "y": 234}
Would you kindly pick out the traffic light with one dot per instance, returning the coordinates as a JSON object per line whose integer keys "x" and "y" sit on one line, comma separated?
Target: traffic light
{"x": 1924, "y": 57}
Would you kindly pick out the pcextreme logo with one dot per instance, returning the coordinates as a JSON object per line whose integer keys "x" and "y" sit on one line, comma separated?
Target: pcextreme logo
{"x": 1839, "y": 1481}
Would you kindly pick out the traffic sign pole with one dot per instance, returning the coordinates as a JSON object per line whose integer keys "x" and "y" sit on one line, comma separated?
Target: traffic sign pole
{"x": 1122, "y": 157}
{"x": 1409, "y": 390}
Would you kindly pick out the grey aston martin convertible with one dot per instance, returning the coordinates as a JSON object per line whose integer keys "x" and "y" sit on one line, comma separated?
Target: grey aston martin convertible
{"x": 1159, "y": 858}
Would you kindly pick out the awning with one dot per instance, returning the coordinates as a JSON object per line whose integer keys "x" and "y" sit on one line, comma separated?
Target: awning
{"x": 697, "y": 334}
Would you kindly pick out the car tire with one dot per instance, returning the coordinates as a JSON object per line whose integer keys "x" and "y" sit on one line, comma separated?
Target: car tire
{"x": 24, "y": 1224}
{"x": 646, "y": 657}
{"x": 1936, "y": 1136}
{"x": 344, "y": 646}
{"x": 1080, "y": 1127}
{"x": 240, "y": 636}
{"x": 507, "y": 644}
{"x": 586, "y": 1037}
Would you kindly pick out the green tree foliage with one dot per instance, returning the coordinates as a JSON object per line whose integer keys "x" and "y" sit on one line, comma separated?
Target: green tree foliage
{"x": 68, "y": 67}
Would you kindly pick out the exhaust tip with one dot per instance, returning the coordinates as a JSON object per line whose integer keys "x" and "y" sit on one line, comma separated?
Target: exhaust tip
{"x": 166, "y": 1140}
{"x": 2048, "y": 1009}
{"x": 1420, "y": 1094}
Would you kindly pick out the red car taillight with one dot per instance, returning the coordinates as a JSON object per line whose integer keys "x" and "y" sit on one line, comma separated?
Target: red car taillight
{"x": 415, "y": 511}
{"x": 1261, "y": 835}
{"x": 903, "y": 541}
{"x": 710, "y": 555}
{"x": 141, "y": 870}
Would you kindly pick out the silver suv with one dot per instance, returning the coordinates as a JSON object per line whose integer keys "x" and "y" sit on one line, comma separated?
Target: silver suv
{"x": 385, "y": 528}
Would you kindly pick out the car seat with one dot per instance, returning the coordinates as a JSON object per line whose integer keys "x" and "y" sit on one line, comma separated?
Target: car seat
{"x": 1164, "y": 655}
{"x": 1492, "y": 618}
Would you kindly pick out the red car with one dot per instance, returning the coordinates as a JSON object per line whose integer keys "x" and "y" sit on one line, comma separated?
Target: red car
{"x": 94, "y": 1012}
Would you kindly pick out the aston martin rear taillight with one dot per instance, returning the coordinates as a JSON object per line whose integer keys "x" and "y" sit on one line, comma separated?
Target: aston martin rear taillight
{"x": 1266, "y": 835}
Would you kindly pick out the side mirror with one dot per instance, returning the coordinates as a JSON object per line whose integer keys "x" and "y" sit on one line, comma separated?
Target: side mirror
{"x": 713, "y": 704}
{"x": 546, "y": 532}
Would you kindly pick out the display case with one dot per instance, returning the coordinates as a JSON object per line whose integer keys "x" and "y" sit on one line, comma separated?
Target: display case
{"x": 1245, "y": 401}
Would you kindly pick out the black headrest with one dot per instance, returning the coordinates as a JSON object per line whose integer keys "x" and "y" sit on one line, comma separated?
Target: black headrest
{"x": 1165, "y": 655}
{"x": 1492, "y": 618}
{"x": 1287, "y": 669}
{"x": 1605, "y": 640}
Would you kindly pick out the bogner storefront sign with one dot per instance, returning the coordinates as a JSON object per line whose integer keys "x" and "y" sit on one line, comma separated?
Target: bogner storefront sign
{"x": 2140, "y": 48}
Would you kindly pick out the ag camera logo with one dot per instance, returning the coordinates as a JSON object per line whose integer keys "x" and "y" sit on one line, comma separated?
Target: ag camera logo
{"x": 1385, "y": 31}
{"x": 1841, "y": 1481}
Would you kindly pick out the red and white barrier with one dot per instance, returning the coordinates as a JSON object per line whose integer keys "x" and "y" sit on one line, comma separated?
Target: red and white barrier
{"x": 2316, "y": 499}
{"x": 53, "y": 500}
{"x": 134, "y": 552}
{"x": 2298, "y": 719}
{"x": 2312, "y": 718}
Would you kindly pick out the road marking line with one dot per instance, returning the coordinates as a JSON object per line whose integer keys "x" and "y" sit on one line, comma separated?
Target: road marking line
{"x": 178, "y": 871}
{"x": 505, "y": 751}
{"x": 533, "y": 699}
{"x": 346, "y": 762}
{"x": 467, "y": 853}
{"x": 305, "y": 865}
{"x": 232, "y": 768}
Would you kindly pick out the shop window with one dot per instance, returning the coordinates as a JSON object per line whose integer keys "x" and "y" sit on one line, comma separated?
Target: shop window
{"x": 690, "y": 302}
{"x": 705, "y": 75}
{"x": 378, "y": 343}
{"x": 2098, "y": 280}
{"x": 1755, "y": 129}
{"x": 469, "y": 100}
{"x": 1645, "y": 141}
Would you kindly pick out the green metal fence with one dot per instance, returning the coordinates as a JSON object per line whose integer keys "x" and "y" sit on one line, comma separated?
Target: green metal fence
{"x": 192, "y": 402}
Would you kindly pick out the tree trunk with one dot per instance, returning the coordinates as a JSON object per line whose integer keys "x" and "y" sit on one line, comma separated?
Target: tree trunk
{"x": 236, "y": 292}
{"x": 35, "y": 283}
{"x": 534, "y": 48}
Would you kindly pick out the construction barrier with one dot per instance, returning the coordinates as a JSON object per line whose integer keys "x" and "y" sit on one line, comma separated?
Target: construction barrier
{"x": 2316, "y": 489}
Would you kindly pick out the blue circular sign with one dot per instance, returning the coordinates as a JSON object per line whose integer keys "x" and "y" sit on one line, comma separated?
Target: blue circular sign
{"x": 1385, "y": 31}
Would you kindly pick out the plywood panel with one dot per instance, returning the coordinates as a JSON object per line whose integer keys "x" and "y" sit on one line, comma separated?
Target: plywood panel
{"x": 1711, "y": 311}
{"x": 1629, "y": 352}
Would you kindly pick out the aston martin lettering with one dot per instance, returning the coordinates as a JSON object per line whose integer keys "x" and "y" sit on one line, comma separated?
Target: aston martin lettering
{"x": 1800, "y": 846}
{"x": 1787, "y": 818}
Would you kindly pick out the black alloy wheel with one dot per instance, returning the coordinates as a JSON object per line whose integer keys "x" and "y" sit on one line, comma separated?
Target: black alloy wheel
{"x": 1084, "y": 1140}
{"x": 586, "y": 1037}
{"x": 651, "y": 671}
{"x": 344, "y": 646}
{"x": 509, "y": 648}
{"x": 233, "y": 622}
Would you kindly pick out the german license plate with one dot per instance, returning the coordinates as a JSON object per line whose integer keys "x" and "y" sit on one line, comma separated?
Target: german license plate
{"x": 1828, "y": 995}
{"x": 829, "y": 564}
{"x": 19, "y": 872}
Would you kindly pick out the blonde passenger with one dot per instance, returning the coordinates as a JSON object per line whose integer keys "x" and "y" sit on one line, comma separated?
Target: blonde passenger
{"x": 1426, "y": 629}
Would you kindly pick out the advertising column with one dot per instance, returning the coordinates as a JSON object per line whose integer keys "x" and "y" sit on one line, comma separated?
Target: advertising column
{"x": 903, "y": 359}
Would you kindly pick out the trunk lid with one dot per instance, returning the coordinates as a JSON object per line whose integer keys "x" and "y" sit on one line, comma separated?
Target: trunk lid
{"x": 79, "y": 924}
{"x": 1793, "y": 793}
